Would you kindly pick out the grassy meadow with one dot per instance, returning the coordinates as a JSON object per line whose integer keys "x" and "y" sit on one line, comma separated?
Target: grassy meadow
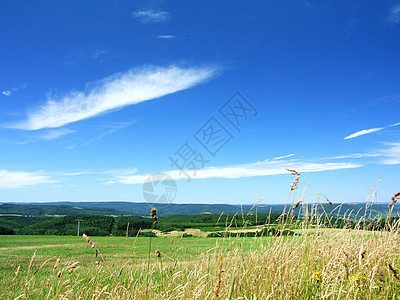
{"x": 316, "y": 263}
{"x": 300, "y": 254}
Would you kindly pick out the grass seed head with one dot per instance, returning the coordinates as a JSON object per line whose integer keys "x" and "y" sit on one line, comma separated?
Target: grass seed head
{"x": 293, "y": 172}
{"x": 17, "y": 272}
{"x": 86, "y": 238}
{"x": 153, "y": 212}
{"x": 394, "y": 199}
{"x": 293, "y": 186}
{"x": 297, "y": 204}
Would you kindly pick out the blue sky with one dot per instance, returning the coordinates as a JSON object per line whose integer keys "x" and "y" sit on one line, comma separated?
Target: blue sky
{"x": 96, "y": 96}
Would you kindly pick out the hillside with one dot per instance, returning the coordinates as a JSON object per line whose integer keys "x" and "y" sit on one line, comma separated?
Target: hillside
{"x": 41, "y": 209}
{"x": 143, "y": 209}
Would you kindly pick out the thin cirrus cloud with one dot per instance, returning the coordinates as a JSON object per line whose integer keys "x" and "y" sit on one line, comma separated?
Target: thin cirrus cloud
{"x": 55, "y": 133}
{"x": 264, "y": 168}
{"x": 152, "y": 16}
{"x": 10, "y": 179}
{"x": 285, "y": 156}
{"x": 368, "y": 131}
{"x": 394, "y": 15}
{"x": 6, "y": 93}
{"x": 120, "y": 172}
{"x": 114, "y": 92}
{"x": 391, "y": 154}
{"x": 166, "y": 36}
{"x": 363, "y": 132}
{"x": 355, "y": 155}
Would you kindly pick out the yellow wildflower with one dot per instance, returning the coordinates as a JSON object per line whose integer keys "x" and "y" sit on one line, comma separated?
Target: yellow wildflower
{"x": 317, "y": 276}
{"x": 356, "y": 277}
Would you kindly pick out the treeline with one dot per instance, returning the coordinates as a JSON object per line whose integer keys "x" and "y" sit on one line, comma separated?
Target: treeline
{"x": 181, "y": 222}
{"x": 35, "y": 210}
{"x": 68, "y": 225}
{"x": 100, "y": 225}
{"x": 118, "y": 226}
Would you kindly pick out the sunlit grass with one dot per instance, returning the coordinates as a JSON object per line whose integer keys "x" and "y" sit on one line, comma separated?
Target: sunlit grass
{"x": 326, "y": 264}
{"x": 317, "y": 262}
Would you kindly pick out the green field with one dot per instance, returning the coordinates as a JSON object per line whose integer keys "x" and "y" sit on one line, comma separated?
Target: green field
{"x": 17, "y": 250}
{"x": 317, "y": 263}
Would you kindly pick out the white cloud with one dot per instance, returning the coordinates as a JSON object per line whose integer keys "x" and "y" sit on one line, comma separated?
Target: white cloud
{"x": 391, "y": 154}
{"x": 395, "y": 124}
{"x": 245, "y": 170}
{"x": 14, "y": 89}
{"x": 166, "y": 36}
{"x": 355, "y": 155}
{"x": 109, "y": 182}
{"x": 151, "y": 16}
{"x": 55, "y": 133}
{"x": 111, "y": 129}
{"x": 114, "y": 92}
{"x": 10, "y": 179}
{"x": 394, "y": 16}
{"x": 118, "y": 172}
{"x": 285, "y": 156}
{"x": 99, "y": 53}
{"x": 363, "y": 132}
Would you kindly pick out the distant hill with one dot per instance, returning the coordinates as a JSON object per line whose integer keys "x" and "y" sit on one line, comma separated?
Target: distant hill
{"x": 143, "y": 209}
{"x": 105, "y": 218}
{"x": 44, "y": 209}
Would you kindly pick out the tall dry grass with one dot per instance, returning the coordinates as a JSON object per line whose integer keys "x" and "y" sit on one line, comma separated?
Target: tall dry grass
{"x": 317, "y": 263}
{"x": 325, "y": 264}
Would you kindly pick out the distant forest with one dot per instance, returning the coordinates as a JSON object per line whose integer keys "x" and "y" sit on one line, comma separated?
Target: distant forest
{"x": 117, "y": 226}
{"x": 118, "y": 208}
{"x": 61, "y": 218}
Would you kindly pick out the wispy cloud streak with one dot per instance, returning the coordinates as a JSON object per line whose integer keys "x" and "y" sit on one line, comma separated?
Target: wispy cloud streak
{"x": 368, "y": 131}
{"x": 152, "y": 16}
{"x": 166, "y": 36}
{"x": 119, "y": 172}
{"x": 394, "y": 16}
{"x": 391, "y": 155}
{"x": 9, "y": 179}
{"x": 55, "y": 133}
{"x": 114, "y": 92}
{"x": 285, "y": 156}
{"x": 355, "y": 155}
{"x": 245, "y": 170}
{"x": 363, "y": 132}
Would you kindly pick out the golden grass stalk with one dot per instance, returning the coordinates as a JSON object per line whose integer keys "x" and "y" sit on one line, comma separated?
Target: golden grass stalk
{"x": 43, "y": 264}
{"x": 16, "y": 273}
{"x": 127, "y": 233}
{"x": 93, "y": 245}
{"x": 55, "y": 266}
